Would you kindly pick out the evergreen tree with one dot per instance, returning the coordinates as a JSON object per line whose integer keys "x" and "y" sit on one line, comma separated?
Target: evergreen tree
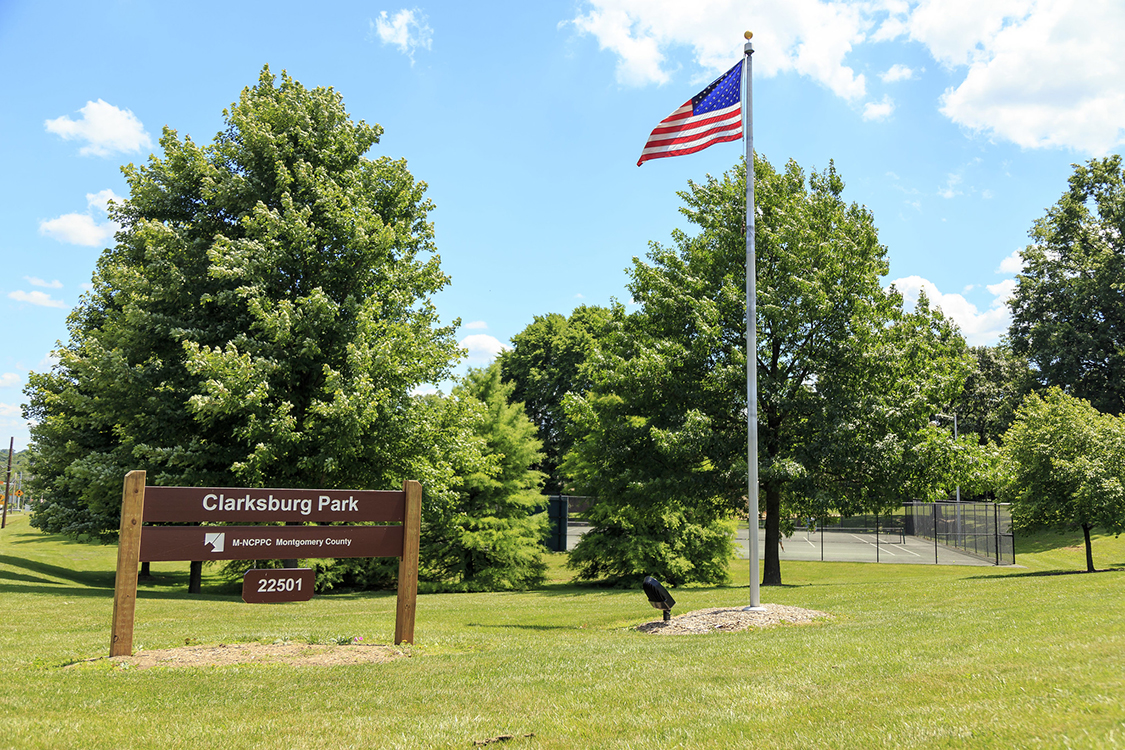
{"x": 493, "y": 539}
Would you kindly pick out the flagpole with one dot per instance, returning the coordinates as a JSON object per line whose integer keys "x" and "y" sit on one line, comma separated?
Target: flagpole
{"x": 751, "y": 329}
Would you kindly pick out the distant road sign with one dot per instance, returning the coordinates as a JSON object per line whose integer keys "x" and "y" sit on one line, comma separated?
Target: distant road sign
{"x": 263, "y": 586}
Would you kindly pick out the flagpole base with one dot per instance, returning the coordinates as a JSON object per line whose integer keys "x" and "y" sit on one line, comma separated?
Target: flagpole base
{"x": 754, "y": 609}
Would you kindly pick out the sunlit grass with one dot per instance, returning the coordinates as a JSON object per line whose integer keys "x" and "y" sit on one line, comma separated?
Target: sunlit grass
{"x": 914, "y": 656}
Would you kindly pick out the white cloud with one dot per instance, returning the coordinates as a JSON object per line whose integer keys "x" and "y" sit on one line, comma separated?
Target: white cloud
{"x": 1042, "y": 74}
{"x": 10, "y": 380}
{"x": 35, "y": 281}
{"x": 978, "y": 327}
{"x": 1012, "y": 263}
{"x": 950, "y": 190}
{"x": 105, "y": 128}
{"x": 84, "y": 229}
{"x": 100, "y": 200}
{"x": 476, "y": 325}
{"x": 482, "y": 348}
{"x": 1003, "y": 290}
{"x": 897, "y": 72}
{"x": 10, "y": 410}
{"x": 879, "y": 110}
{"x": 1037, "y": 73}
{"x": 808, "y": 37}
{"x": 77, "y": 229}
{"x": 426, "y": 389}
{"x": 42, "y": 299}
{"x": 407, "y": 29}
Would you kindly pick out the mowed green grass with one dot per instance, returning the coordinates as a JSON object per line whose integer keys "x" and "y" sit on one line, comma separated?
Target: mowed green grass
{"x": 914, "y": 656}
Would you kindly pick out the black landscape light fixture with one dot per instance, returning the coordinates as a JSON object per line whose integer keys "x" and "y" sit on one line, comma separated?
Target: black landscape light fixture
{"x": 658, "y": 596}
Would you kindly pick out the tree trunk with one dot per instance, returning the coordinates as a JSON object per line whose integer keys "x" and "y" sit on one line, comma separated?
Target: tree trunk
{"x": 145, "y": 572}
{"x": 195, "y": 577}
{"x": 1089, "y": 549}
{"x": 772, "y": 570}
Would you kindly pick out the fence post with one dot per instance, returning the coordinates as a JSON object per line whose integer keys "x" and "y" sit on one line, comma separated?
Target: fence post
{"x": 128, "y": 556}
{"x": 996, "y": 530}
{"x": 408, "y": 564}
{"x": 933, "y": 507}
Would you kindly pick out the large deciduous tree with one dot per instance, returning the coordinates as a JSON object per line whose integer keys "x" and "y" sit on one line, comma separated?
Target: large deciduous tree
{"x": 848, "y": 382}
{"x": 261, "y": 320}
{"x": 545, "y": 363}
{"x": 1068, "y": 310}
{"x": 1067, "y": 466}
{"x": 997, "y": 383}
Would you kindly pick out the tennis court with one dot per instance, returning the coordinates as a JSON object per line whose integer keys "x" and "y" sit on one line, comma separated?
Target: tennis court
{"x": 920, "y": 533}
{"x": 861, "y": 546}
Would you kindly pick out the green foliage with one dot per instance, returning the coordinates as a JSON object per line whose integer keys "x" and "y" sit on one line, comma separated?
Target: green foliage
{"x": 494, "y": 539}
{"x": 996, "y": 385}
{"x": 545, "y": 363}
{"x": 261, "y": 320}
{"x": 1067, "y": 466}
{"x": 1068, "y": 310}
{"x": 847, "y": 382}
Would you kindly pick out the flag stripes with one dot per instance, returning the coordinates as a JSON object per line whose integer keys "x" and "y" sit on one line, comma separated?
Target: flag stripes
{"x": 712, "y": 116}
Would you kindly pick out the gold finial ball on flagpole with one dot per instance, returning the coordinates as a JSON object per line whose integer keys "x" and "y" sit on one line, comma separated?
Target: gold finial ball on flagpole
{"x": 749, "y": 35}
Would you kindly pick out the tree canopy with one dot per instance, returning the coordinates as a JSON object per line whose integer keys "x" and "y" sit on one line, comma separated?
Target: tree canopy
{"x": 996, "y": 385}
{"x": 1067, "y": 466}
{"x": 1068, "y": 310}
{"x": 848, "y": 381}
{"x": 544, "y": 364}
{"x": 261, "y": 320}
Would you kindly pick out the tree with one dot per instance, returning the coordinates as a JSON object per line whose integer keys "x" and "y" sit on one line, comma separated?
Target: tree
{"x": 847, "y": 382}
{"x": 997, "y": 383}
{"x": 1067, "y": 464}
{"x": 261, "y": 320}
{"x": 545, "y": 363}
{"x": 1068, "y": 310}
{"x": 493, "y": 535}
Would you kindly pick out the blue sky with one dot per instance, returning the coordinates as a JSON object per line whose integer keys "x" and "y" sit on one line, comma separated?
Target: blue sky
{"x": 955, "y": 122}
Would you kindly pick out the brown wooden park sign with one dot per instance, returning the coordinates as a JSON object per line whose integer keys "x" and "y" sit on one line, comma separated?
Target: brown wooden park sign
{"x": 214, "y": 505}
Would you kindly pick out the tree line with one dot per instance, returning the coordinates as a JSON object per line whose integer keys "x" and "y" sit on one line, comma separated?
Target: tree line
{"x": 265, "y": 319}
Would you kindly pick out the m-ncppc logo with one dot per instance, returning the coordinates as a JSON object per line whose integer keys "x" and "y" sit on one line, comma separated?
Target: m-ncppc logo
{"x": 217, "y": 541}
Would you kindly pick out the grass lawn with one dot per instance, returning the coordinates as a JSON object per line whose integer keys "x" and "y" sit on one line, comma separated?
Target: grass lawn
{"x": 915, "y": 656}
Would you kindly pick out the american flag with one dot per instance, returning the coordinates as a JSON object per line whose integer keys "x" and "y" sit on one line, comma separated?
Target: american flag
{"x": 714, "y": 115}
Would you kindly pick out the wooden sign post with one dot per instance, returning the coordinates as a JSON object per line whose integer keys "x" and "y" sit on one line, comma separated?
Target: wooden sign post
{"x": 217, "y": 505}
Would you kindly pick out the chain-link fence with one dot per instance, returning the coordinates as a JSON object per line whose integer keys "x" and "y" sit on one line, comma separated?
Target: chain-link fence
{"x": 981, "y": 529}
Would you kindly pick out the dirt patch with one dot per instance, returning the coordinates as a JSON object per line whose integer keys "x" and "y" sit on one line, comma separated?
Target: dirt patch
{"x": 296, "y": 654}
{"x": 731, "y": 619}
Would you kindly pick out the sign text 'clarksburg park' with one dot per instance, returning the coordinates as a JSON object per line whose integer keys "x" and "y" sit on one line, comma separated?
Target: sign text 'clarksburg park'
{"x": 219, "y": 505}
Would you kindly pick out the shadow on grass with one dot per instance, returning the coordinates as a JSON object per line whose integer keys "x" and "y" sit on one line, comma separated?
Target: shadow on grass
{"x": 61, "y": 589}
{"x": 6, "y": 576}
{"x": 93, "y": 578}
{"x": 1045, "y": 574}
